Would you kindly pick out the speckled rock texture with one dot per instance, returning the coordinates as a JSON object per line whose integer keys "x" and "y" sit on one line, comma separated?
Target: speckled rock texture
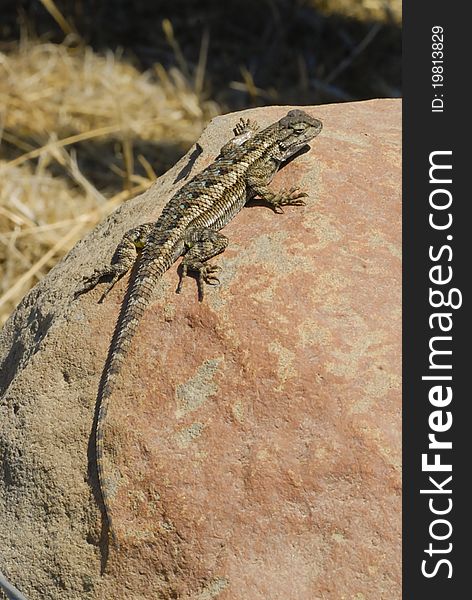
{"x": 253, "y": 439}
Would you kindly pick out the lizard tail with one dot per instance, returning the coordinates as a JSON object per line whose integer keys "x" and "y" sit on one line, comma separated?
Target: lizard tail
{"x": 138, "y": 297}
{"x": 124, "y": 333}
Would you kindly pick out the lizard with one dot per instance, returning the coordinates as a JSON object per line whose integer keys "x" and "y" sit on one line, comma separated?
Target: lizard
{"x": 189, "y": 226}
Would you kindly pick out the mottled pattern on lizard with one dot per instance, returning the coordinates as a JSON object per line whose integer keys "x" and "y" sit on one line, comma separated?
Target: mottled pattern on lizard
{"x": 189, "y": 225}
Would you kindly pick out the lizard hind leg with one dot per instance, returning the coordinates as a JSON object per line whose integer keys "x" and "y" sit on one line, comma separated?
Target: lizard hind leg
{"x": 122, "y": 261}
{"x": 202, "y": 244}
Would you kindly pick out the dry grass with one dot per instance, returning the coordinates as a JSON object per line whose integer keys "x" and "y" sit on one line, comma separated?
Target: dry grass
{"x": 49, "y": 88}
{"x": 56, "y": 102}
{"x": 363, "y": 10}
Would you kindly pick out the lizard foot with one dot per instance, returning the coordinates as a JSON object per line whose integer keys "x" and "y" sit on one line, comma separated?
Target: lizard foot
{"x": 90, "y": 282}
{"x": 206, "y": 275}
{"x": 292, "y": 197}
{"x": 244, "y": 126}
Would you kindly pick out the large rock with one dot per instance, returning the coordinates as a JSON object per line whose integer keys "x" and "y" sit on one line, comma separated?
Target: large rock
{"x": 253, "y": 443}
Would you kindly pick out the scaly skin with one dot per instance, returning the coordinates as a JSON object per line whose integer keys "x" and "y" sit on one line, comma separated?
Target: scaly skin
{"x": 189, "y": 225}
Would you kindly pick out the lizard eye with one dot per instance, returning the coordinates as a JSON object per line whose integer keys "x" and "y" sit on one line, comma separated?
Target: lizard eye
{"x": 299, "y": 127}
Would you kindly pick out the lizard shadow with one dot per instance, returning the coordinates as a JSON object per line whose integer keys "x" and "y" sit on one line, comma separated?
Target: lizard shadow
{"x": 187, "y": 169}
{"x": 303, "y": 150}
{"x": 26, "y": 342}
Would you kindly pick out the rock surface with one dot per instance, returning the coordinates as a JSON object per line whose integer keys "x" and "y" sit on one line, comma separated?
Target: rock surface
{"x": 254, "y": 438}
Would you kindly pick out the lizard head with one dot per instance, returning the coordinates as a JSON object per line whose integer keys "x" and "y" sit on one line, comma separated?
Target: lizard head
{"x": 295, "y": 130}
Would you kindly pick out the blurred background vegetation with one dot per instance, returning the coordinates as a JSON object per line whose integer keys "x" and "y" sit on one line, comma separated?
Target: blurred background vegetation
{"x": 97, "y": 98}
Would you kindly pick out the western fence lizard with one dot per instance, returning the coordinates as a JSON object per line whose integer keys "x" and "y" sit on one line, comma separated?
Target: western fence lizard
{"x": 189, "y": 225}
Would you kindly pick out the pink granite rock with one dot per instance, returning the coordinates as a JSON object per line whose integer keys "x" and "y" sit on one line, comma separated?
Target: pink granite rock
{"x": 253, "y": 443}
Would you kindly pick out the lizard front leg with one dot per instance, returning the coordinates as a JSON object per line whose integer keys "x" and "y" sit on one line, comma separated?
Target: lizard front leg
{"x": 123, "y": 259}
{"x": 245, "y": 126}
{"x": 244, "y": 130}
{"x": 202, "y": 243}
{"x": 257, "y": 184}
